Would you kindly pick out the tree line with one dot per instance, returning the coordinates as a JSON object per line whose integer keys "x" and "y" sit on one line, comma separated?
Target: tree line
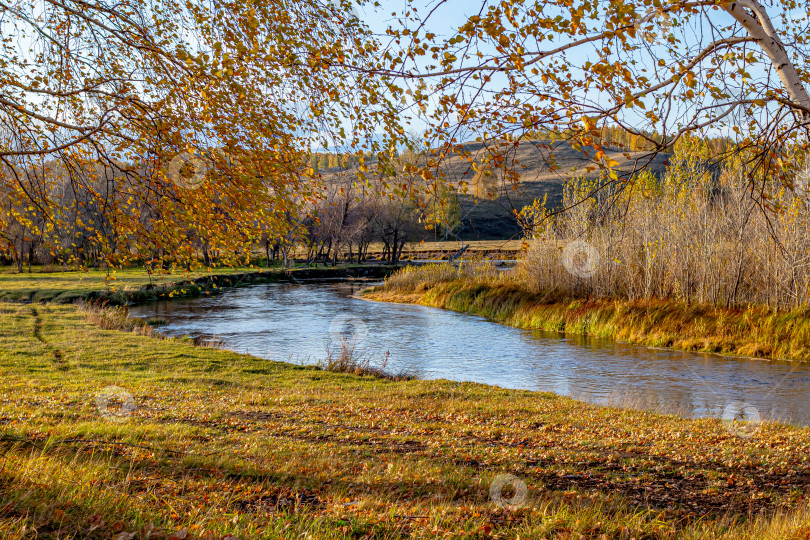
{"x": 696, "y": 234}
{"x": 339, "y": 220}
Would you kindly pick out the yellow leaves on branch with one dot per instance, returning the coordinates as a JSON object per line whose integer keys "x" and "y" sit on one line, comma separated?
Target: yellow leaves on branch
{"x": 226, "y": 80}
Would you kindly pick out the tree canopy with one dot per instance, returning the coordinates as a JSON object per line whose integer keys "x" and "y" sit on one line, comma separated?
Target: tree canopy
{"x": 655, "y": 70}
{"x": 157, "y": 127}
{"x": 153, "y": 130}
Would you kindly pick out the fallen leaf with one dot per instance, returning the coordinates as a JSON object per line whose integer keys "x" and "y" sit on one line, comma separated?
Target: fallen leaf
{"x": 182, "y": 534}
{"x": 94, "y": 522}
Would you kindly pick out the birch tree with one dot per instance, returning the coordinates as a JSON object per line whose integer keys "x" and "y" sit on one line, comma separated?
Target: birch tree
{"x": 577, "y": 69}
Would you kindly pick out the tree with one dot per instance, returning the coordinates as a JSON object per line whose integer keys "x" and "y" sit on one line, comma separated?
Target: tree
{"x": 397, "y": 221}
{"x": 443, "y": 211}
{"x": 180, "y": 123}
{"x": 654, "y": 71}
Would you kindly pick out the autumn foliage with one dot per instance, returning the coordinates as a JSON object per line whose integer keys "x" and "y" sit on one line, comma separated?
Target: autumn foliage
{"x": 164, "y": 132}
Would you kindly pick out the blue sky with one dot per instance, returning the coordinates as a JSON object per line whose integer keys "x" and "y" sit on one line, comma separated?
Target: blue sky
{"x": 452, "y": 14}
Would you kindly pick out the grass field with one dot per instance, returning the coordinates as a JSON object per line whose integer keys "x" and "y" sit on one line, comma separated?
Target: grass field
{"x": 755, "y": 331}
{"x": 45, "y": 285}
{"x": 431, "y": 249}
{"x": 121, "y": 434}
{"x": 135, "y": 285}
{"x": 107, "y": 432}
{"x": 494, "y": 218}
{"x": 544, "y": 167}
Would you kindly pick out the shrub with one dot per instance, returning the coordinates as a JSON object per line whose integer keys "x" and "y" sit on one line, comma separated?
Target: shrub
{"x": 418, "y": 278}
{"x": 691, "y": 237}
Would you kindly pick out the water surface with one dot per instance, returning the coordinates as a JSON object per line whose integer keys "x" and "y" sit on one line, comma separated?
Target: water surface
{"x": 299, "y": 322}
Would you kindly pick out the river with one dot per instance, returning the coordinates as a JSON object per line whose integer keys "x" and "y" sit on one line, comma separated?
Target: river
{"x": 298, "y": 322}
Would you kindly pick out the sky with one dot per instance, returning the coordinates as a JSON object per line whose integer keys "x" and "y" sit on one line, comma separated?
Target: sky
{"x": 453, "y": 13}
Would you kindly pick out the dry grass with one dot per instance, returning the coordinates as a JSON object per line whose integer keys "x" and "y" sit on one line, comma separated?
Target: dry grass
{"x": 689, "y": 238}
{"x": 348, "y": 357}
{"x": 414, "y": 279}
{"x": 114, "y": 318}
{"x": 754, "y": 331}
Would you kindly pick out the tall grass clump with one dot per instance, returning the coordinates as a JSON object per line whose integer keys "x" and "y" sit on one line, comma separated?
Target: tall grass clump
{"x": 114, "y": 318}
{"x": 698, "y": 234}
{"x": 420, "y": 278}
{"x": 348, "y": 357}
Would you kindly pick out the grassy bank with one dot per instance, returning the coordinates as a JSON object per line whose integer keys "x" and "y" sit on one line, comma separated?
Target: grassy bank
{"x": 136, "y": 285}
{"x": 755, "y": 331}
{"x": 115, "y": 434}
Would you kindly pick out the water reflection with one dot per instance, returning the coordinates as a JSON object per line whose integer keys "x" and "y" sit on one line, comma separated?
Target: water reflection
{"x": 296, "y": 322}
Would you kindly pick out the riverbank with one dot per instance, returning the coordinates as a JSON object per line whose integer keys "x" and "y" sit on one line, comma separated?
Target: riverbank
{"x": 137, "y": 286}
{"x": 107, "y": 433}
{"x": 753, "y": 332}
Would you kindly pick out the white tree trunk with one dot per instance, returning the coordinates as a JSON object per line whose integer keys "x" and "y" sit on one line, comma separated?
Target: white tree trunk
{"x": 759, "y": 26}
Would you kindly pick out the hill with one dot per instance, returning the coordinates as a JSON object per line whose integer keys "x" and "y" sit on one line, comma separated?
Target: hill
{"x": 544, "y": 167}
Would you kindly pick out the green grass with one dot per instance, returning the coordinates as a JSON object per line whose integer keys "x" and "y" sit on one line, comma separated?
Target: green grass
{"x": 753, "y": 332}
{"x": 137, "y": 285}
{"x": 64, "y": 287}
{"x": 220, "y": 443}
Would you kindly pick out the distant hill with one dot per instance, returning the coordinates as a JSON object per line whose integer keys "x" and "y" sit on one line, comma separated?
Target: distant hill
{"x": 544, "y": 167}
{"x": 486, "y": 219}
